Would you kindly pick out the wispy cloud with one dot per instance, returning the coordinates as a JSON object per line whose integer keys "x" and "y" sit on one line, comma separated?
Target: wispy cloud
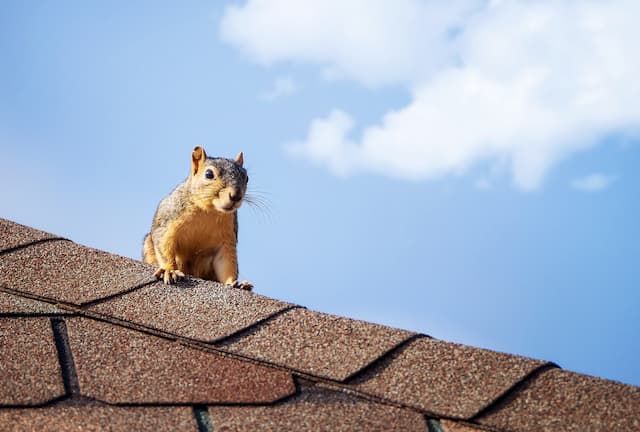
{"x": 593, "y": 183}
{"x": 283, "y": 86}
{"x": 525, "y": 83}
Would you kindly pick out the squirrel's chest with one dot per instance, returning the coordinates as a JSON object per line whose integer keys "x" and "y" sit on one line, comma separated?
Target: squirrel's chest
{"x": 205, "y": 232}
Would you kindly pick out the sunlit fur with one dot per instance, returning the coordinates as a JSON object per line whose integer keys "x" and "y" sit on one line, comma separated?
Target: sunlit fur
{"x": 195, "y": 228}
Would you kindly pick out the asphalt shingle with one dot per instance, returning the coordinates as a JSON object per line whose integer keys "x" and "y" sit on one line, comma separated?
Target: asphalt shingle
{"x": 566, "y": 401}
{"x": 67, "y": 272}
{"x": 14, "y": 235}
{"x": 11, "y": 305}
{"x": 201, "y": 310}
{"x": 30, "y": 372}
{"x": 119, "y": 365}
{"x": 453, "y": 426}
{"x": 137, "y": 345}
{"x": 318, "y": 344}
{"x": 99, "y": 418}
{"x": 445, "y": 379}
{"x": 317, "y": 411}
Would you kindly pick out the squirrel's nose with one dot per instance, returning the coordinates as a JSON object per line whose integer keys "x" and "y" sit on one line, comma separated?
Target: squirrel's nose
{"x": 235, "y": 196}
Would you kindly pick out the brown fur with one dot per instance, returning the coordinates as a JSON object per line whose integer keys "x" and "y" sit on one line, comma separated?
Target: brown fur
{"x": 195, "y": 228}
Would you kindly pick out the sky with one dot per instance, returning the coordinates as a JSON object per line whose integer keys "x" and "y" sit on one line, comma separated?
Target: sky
{"x": 464, "y": 169}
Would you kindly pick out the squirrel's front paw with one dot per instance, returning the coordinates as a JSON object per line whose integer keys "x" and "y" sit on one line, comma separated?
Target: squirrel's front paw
{"x": 169, "y": 276}
{"x": 244, "y": 285}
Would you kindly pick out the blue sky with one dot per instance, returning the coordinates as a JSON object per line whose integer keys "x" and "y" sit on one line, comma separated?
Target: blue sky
{"x": 466, "y": 170}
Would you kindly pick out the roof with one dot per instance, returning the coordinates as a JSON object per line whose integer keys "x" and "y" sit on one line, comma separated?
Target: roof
{"x": 90, "y": 340}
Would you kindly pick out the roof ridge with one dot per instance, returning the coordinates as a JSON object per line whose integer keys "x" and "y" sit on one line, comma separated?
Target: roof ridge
{"x": 117, "y": 313}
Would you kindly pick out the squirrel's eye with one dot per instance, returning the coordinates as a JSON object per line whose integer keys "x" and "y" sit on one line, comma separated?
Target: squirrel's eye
{"x": 209, "y": 174}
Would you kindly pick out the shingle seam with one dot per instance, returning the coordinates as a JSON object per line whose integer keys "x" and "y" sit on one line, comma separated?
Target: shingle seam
{"x": 357, "y": 377}
{"x": 512, "y": 392}
{"x": 471, "y": 420}
{"x": 6, "y": 289}
{"x": 368, "y": 396}
{"x": 395, "y": 403}
{"x": 203, "y": 420}
{"x": 35, "y": 314}
{"x": 384, "y": 356}
{"x": 68, "y": 310}
{"x": 74, "y": 307}
{"x": 116, "y": 295}
{"x": 65, "y": 358}
{"x": 32, "y": 243}
{"x": 296, "y": 393}
{"x": 252, "y": 328}
{"x": 36, "y": 405}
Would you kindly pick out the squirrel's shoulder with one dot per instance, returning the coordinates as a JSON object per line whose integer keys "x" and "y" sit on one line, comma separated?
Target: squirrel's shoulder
{"x": 172, "y": 205}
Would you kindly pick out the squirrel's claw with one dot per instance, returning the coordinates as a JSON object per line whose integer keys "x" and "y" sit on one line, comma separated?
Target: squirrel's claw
{"x": 244, "y": 285}
{"x": 169, "y": 276}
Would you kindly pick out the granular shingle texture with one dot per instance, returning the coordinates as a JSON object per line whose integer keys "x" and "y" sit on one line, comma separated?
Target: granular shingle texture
{"x": 317, "y": 412}
{"x": 99, "y": 418}
{"x": 564, "y": 401}
{"x": 194, "y": 309}
{"x": 119, "y": 365}
{"x": 67, "y": 272}
{"x": 444, "y": 378}
{"x": 453, "y": 426}
{"x": 11, "y": 304}
{"x": 90, "y": 341}
{"x": 318, "y": 344}
{"x": 29, "y": 369}
{"x": 14, "y": 235}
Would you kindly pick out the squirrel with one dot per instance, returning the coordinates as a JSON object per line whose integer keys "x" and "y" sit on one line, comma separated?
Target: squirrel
{"x": 195, "y": 228}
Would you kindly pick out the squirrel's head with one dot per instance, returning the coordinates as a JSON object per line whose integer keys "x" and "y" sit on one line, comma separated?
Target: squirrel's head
{"x": 217, "y": 183}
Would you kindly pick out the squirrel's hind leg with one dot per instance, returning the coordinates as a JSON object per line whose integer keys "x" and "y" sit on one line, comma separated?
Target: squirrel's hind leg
{"x": 148, "y": 251}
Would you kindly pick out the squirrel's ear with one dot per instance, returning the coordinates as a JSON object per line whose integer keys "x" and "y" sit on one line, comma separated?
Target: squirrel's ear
{"x": 197, "y": 159}
{"x": 240, "y": 158}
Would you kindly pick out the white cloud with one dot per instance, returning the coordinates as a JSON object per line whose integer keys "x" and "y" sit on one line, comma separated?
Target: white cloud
{"x": 371, "y": 41}
{"x": 284, "y": 86}
{"x": 520, "y": 83}
{"x": 593, "y": 183}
